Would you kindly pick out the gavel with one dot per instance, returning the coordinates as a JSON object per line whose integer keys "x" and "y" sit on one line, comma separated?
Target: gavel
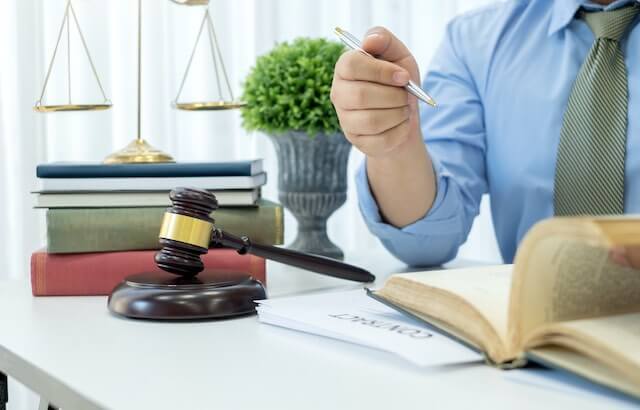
{"x": 188, "y": 231}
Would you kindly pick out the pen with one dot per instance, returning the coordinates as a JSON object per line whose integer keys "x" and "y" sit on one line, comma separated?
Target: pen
{"x": 353, "y": 43}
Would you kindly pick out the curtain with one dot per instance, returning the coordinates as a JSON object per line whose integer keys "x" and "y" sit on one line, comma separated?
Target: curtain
{"x": 245, "y": 28}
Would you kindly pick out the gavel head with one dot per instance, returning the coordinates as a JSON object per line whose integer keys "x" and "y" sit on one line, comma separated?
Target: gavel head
{"x": 186, "y": 231}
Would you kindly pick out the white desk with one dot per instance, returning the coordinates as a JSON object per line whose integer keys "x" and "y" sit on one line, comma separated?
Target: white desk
{"x": 78, "y": 356}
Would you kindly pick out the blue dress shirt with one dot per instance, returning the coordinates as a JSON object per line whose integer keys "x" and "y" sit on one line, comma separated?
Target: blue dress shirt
{"x": 502, "y": 78}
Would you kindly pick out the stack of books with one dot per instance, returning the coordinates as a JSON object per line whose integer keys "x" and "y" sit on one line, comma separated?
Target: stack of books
{"x": 102, "y": 221}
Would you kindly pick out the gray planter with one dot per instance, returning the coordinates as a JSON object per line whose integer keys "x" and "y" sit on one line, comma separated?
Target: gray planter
{"x": 312, "y": 184}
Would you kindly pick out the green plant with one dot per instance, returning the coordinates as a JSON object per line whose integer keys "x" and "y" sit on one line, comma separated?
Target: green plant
{"x": 288, "y": 89}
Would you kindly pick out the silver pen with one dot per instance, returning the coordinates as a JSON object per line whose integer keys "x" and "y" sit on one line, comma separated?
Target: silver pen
{"x": 353, "y": 43}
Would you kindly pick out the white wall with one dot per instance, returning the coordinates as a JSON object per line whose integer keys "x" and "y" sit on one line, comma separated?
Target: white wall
{"x": 246, "y": 28}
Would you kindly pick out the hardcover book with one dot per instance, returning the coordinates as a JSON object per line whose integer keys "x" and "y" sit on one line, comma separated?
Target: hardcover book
{"x": 172, "y": 170}
{"x": 571, "y": 300}
{"x": 92, "y": 274}
{"x": 119, "y": 229}
{"x": 151, "y": 183}
{"x": 126, "y": 199}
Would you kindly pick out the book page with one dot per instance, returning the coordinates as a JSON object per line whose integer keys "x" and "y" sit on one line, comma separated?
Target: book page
{"x": 608, "y": 342}
{"x": 472, "y": 301}
{"x": 589, "y": 284}
{"x": 565, "y": 271}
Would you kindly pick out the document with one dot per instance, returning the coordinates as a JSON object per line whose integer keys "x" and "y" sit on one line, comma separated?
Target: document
{"x": 354, "y": 317}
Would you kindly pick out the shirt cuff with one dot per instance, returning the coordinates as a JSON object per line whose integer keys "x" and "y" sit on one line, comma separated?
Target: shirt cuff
{"x": 441, "y": 223}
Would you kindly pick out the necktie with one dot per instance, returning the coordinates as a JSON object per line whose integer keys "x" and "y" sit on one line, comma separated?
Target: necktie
{"x": 590, "y": 165}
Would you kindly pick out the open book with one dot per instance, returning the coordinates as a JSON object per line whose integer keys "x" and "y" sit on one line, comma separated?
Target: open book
{"x": 571, "y": 300}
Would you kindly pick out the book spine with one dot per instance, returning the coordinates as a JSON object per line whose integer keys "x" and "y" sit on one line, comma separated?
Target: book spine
{"x": 121, "y": 229}
{"x": 240, "y": 168}
{"x": 95, "y": 274}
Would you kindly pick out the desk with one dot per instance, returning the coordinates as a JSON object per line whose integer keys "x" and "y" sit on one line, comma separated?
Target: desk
{"x": 76, "y": 355}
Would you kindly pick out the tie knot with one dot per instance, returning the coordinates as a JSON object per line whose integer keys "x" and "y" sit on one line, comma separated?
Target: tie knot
{"x": 611, "y": 24}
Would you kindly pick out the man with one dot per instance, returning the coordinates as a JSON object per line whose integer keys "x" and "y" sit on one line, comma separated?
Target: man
{"x": 538, "y": 105}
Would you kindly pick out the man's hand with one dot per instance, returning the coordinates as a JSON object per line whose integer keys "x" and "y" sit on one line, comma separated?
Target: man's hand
{"x": 380, "y": 118}
{"x": 376, "y": 113}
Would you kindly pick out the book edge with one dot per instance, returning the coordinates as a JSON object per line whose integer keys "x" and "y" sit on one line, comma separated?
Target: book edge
{"x": 254, "y": 166}
{"x": 56, "y": 246}
{"x": 223, "y": 182}
{"x": 515, "y": 363}
{"x": 372, "y": 294}
{"x": 253, "y": 265}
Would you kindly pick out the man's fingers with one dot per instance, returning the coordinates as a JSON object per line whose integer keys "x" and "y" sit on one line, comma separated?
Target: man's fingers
{"x": 381, "y": 144}
{"x": 373, "y": 122}
{"x": 381, "y": 43}
{"x": 359, "y": 95}
{"x": 353, "y": 65}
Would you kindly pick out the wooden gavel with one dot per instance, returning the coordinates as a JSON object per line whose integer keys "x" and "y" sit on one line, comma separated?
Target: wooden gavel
{"x": 188, "y": 231}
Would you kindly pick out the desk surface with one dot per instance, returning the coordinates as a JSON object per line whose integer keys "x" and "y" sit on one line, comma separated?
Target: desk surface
{"x": 77, "y": 355}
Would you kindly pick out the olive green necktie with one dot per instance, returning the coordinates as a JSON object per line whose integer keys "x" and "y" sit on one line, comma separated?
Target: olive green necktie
{"x": 590, "y": 166}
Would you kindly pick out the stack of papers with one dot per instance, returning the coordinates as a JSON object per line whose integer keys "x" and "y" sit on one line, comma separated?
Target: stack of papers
{"x": 354, "y": 317}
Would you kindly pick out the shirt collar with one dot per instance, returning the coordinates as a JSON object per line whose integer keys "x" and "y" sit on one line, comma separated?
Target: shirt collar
{"x": 564, "y": 10}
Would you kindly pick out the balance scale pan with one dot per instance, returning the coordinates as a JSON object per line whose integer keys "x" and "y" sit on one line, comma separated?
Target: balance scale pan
{"x": 209, "y": 106}
{"x": 71, "y": 107}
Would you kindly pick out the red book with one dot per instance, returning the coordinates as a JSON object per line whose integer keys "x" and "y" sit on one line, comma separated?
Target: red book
{"x": 90, "y": 274}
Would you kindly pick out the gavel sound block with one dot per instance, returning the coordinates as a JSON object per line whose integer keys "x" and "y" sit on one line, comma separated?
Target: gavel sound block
{"x": 183, "y": 291}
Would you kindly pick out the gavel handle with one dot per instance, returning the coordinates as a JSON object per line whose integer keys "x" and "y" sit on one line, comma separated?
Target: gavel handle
{"x": 314, "y": 263}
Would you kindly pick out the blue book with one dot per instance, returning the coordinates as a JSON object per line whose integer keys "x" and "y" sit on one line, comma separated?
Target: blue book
{"x": 164, "y": 170}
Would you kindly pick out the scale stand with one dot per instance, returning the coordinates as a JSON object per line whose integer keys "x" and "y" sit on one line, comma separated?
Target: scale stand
{"x": 139, "y": 150}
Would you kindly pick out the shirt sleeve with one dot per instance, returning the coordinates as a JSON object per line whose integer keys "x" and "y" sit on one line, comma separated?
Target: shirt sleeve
{"x": 454, "y": 133}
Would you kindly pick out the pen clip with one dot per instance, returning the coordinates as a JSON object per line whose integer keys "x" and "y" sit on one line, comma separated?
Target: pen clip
{"x": 350, "y": 40}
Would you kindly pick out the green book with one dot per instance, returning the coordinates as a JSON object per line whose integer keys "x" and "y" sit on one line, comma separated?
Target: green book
{"x": 119, "y": 229}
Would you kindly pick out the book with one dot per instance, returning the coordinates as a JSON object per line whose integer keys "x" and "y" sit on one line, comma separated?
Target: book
{"x": 120, "y": 229}
{"x": 92, "y": 274}
{"x": 151, "y": 183}
{"x": 176, "y": 169}
{"x": 570, "y": 301}
{"x": 125, "y": 199}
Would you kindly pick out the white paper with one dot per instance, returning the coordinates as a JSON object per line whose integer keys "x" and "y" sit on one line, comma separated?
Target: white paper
{"x": 354, "y": 317}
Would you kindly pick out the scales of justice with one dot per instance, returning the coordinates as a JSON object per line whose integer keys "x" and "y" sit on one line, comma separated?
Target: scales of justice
{"x": 183, "y": 289}
{"x": 139, "y": 150}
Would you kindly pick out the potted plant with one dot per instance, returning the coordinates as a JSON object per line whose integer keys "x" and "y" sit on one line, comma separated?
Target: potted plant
{"x": 287, "y": 96}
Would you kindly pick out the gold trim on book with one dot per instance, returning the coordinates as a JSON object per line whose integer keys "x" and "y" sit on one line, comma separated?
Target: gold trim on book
{"x": 279, "y": 239}
{"x": 186, "y": 229}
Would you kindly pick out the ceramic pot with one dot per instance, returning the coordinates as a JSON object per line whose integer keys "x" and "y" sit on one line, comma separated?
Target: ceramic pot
{"x": 312, "y": 184}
